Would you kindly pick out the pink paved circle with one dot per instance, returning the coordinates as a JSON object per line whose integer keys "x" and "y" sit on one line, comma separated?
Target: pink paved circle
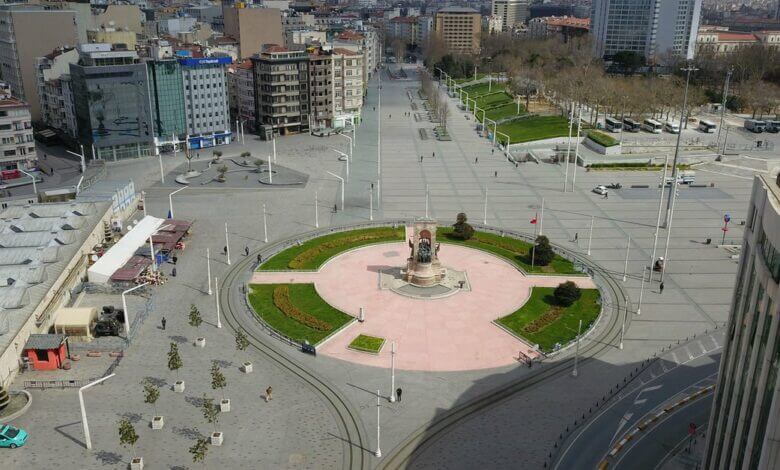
{"x": 448, "y": 334}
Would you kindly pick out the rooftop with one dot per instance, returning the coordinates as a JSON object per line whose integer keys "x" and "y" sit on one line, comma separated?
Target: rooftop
{"x": 458, "y": 10}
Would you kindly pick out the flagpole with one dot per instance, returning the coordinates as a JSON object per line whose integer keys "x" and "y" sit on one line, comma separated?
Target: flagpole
{"x": 533, "y": 242}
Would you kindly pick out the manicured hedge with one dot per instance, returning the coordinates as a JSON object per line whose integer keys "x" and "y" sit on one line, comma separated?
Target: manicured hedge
{"x": 602, "y": 139}
{"x": 283, "y": 303}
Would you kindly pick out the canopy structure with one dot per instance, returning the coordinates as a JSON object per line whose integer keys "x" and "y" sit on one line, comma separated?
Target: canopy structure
{"x": 76, "y": 322}
{"x": 119, "y": 254}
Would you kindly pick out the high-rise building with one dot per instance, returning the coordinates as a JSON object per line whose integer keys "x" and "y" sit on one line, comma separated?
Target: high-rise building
{"x": 744, "y": 429}
{"x": 26, "y": 33}
{"x": 654, "y": 29}
{"x": 281, "y": 79}
{"x": 252, "y": 27}
{"x": 17, "y": 148}
{"x": 512, "y": 12}
{"x": 166, "y": 89}
{"x": 206, "y": 100}
{"x": 460, "y": 28}
{"x": 112, "y": 103}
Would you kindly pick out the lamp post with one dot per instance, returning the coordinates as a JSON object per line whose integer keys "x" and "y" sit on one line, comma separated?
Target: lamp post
{"x": 674, "y": 190}
{"x": 392, "y": 372}
{"x": 625, "y": 265}
{"x": 541, "y": 219}
{"x": 723, "y": 107}
{"x": 216, "y": 300}
{"x": 371, "y": 202}
{"x": 350, "y": 143}
{"x": 623, "y": 326}
{"x": 574, "y": 371}
{"x": 316, "y": 211}
{"x": 426, "y": 201}
{"x": 35, "y": 189}
{"x": 346, "y": 159}
{"x": 576, "y": 149}
{"x": 642, "y": 288}
{"x": 568, "y": 148}
{"x": 658, "y": 217}
{"x": 170, "y": 201}
{"x": 670, "y": 200}
{"x": 265, "y": 225}
{"x": 273, "y": 144}
{"x": 208, "y": 268}
{"x": 590, "y": 233}
{"x": 378, "y": 452}
{"x": 124, "y": 307}
{"x": 342, "y": 187}
{"x": 227, "y": 244}
{"x": 484, "y": 215}
{"x": 270, "y": 171}
{"x": 379, "y": 128}
{"x": 143, "y": 199}
{"x": 151, "y": 251}
{"x": 87, "y": 438}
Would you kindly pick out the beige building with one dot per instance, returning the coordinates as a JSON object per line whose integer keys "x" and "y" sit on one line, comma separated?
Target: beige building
{"x": 26, "y": 33}
{"x": 460, "y": 28}
{"x": 347, "y": 86}
{"x": 241, "y": 90}
{"x": 54, "y": 90}
{"x": 511, "y": 12}
{"x": 720, "y": 41}
{"x": 252, "y": 28}
{"x": 91, "y": 16}
{"x": 110, "y": 35}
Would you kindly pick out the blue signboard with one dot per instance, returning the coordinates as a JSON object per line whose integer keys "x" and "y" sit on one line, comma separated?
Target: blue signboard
{"x": 196, "y": 62}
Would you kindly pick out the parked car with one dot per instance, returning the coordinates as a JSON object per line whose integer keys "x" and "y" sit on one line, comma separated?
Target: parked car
{"x": 602, "y": 190}
{"x": 12, "y": 437}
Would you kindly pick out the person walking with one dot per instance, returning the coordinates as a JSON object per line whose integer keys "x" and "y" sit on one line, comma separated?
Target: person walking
{"x": 433, "y": 154}
{"x": 661, "y": 288}
{"x": 259, "y": 258}
{"x": 173, "y": 272}
{"x": 246, "y": 251}
{"x": 335, "y": 209}
{"x": 495, "y": 174}
{"x": 492, "y": 151}
{"x": 163, "y": 321}
{"x": 476, "y": 160}
{"x": 398, "y": 393}
{"x": 268, "y": 392}
{"x": 224, "y": 250}
{"x": 576, "y": 236}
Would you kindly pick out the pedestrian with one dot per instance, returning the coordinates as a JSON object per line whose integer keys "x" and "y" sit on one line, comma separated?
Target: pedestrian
{"x": 52, "y": 170}
{"x": 224, "y": 250}
{"x": 433, "y": 155}
{"x": 259, "y": 258}
{"x": 268, "y": 392}
{"x": 661, "y": 288}
{"x": 163, "y": 321}
{"x": 492, "y": 151}
{"x": 335, "y": 209}
{"x": 173, "y": 272}
{"x": 495, "y": 174}
{"x": 606, "y": 195}
{"x": 44, "y": 156}
{"x": 246, "y": 251}
{"x": 398, "y": 392}
{"x": 476, "y": 160}
{"x": 576, "y": 236}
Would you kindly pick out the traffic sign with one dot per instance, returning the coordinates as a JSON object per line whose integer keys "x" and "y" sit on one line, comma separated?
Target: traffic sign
{"x": 727, "y": 218}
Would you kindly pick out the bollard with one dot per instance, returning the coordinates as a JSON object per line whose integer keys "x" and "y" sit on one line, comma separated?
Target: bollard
{"x": 583, "y": 416}
{"x": 590, "y": 410}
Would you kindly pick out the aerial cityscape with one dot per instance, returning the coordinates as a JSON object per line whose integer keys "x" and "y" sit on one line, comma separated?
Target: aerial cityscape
{"x": 363, "y": 234}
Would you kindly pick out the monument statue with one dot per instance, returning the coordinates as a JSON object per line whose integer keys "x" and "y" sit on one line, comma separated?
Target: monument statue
{"x": 423, "y": 267}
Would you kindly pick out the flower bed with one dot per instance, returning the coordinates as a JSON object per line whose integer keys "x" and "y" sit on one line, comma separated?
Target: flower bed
{"x": 283, "y": 303}
{"x": 366, "y": 343}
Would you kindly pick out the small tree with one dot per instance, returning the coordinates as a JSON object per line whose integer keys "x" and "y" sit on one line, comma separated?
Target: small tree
{"x": 246, "y": 155}
{"x": 151, "y": 394}
{"x": 566, "y": 293}
{"x": 241, "y": 341}
{"x": 462, "y": 229}
{"x": 218, "y": 381}
{"x": 188, "y": 156}
{"x": 195, "y": 318}
{"x": 199, "y": 449}
{"x": 127, "y": 435}
{"x": 216, "y": 153}
{"x": 222, "y": 169}
{"x": 543, "y": 253}
{"x": 259, "y": 164}
{"x": 210, "y": 411}
{"x": 174, "y": 360}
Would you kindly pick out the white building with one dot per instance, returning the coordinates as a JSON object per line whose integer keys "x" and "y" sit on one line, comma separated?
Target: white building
{"x": 348, "y": 86}
{"x": 744, "y": 429}
{"x": 54, "y": 90}
{"x": 17, "y": 148}
{"x": 511, "y": 12}
{"x": 206, "y": 101}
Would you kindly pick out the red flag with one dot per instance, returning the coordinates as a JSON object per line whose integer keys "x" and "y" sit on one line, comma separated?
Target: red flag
{"x": 533, "y": 221}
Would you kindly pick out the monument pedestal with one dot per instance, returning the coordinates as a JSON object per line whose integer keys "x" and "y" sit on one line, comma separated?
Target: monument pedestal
{"x": 423, "y": 268}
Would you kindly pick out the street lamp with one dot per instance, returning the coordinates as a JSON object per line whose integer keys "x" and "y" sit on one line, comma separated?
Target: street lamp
{"x": 342, "y": 187}
{"x": 346, "y": 159}
{"x": 227, "y": 245}
{"x": 170, "y": 201}
{"x": 265, "y": 225}
{"x": 316, "y": 211}
{"x": 576, "y": 149}
{"x": 124, "y": 307}
{"x": 378, "y": 452}
{"x": 723, "y": 108}
{"x": 208, "y": 268}
{"x": 625, "y": 265}
{"x": 35, "y": 189}
{"x": 484, "y": 215}
{"x": 590, "y": 233}
{"x": 392, "y": 372}
{"x": 670, "y": 202}
{"x": 216, "y": 300}
{"x": 568, "y": 148}
{"x": 574, "y": 371}
{"x": 87, "y": 438}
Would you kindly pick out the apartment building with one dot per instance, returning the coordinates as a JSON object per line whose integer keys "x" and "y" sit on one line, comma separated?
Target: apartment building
{"x": 252, "y": 27}
{"x": 54, "y": 90}
{"x": 281, "y": 78}
{"x": 17, "y": 148}
{"x": 405, "y": 28}
{"x": 347, "y": 87}
{"x": 744, "y": 428}
{"x": 564, "y": 27}
{"x": 368, "y": 42}
{"x": 511, "y": 12}
{"x": 321, "y": 88}
{"x": 26, "y": 33}
{"x": 460, "y": 28}
{"x": 206, "y": 100}
{"x": 241, "y": 89}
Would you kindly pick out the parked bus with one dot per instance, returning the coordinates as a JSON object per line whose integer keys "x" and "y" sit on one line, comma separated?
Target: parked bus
{"x": 671, "y": 127}
{"x": 612, "y": 124}
{"x": 630, "y": 125}
{"x": 707, "y": 126}
{"x": 755, "y": 126}
{"x": 773, "y": 126}
{"x": 651, "y": 125}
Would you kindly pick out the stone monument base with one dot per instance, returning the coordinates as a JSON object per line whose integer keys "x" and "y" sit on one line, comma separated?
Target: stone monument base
{"x": 449, "y": 283}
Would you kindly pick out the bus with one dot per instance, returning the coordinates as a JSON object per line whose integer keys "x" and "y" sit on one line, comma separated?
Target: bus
{"x": 671, "y": 127}
{"x": 773, "y": 126}
{"x": 755, "y": 126}
{"x": 630, "y": 125}
{"x": 612, "y": 124}
{"x": 651, "y": 125}
{"x": 707, "y": 126}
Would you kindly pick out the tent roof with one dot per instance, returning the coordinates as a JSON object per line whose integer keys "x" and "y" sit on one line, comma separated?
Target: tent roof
{"x": 122, "y": 251}
{"x": 79, "y": 316}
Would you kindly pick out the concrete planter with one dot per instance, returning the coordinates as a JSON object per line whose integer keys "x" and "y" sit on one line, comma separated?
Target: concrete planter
{"x": 137, "y": 463}
{"x": 178, "y": 387}
{"x": 158, "y": 422}
{"x": 224, "y": 405}
{"x": 247, "y": 368}
{"x": 216, "y": 438}
{"x": 200, "y": 342}
{"x": 601, "y": 150}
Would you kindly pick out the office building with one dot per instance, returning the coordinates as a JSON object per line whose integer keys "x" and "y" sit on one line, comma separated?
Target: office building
{"x": 653, "y": 29}
{"x": 206, "y": 100}
{"x": 281, "y": 91}
{"x": 17, "y": 148}
{"x": 252, "y": 27}
{"x": 744, "y": 428}
{"x": 26, "y": 33}
{"x": 512, "y": 12}
{"x": 112, "y": 103}
{"x": 166, "y": 89}
{"x": 460, "y": 28}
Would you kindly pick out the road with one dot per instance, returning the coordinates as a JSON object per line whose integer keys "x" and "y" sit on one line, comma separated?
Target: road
{"x": 687, "y": 367}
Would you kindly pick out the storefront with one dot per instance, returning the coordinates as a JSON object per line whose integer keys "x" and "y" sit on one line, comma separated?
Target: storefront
{"x": 207, "y": 141}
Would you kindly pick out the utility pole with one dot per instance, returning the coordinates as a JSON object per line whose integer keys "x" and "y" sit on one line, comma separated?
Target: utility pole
{"x": 577, "y": 149}
{"x": 227, "y": 245}
{"x": 683, "y": 113}
{"x": 484, "y": 218}
{"x": 574, "y": 372}
{"x": 625, "y": 265}
{"x": 426, "y": 201}
{"x": 723, "y": 107}
{"x": 216, "y": 300}
{"x": 590, "y": 233}
{"x": 392, "y": 372}
{"x": 265, "y": 225}
{"x": 208, "y": 268}
{"x": 658, "y": 219}
{"x": 378, "y": 452}
{"x": 316, "y": 211}
{"x": 568, "y": 147}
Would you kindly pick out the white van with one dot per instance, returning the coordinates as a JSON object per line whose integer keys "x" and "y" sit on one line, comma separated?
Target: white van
{"x": 671, "y": 127}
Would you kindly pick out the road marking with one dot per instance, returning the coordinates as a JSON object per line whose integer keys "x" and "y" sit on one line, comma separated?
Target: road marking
{"x": 701, "y": 345}
{"x": 674, "y": 356}
{"x": 715, "y": 342}
{"x": 622, "y": 423}
{"x": 690, "y": 354}
{"x": 640, "y": 401}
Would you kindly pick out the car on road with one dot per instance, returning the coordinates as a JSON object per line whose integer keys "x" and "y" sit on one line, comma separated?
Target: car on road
{"x": 12, "y": 437}
{"x": 602, "y": 190}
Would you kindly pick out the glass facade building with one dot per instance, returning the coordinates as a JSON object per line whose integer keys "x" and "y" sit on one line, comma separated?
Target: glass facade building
{"x": 167, "y": 92}
{"x": 744, "y": 429}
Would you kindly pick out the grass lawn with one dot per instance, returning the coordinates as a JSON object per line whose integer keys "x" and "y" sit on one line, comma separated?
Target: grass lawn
{"x": 479, "y": 89}
{"x": 470, "y": 78}
{"x": 493, "y": 99}
{"x": 505, "y": 111}
{"x": 602, "y": 139}
{"x": 563, "y": 327}
{"x": 534, "y": 128}
{"x": 306, "y": 299}
{"x": 312, "y": 254}
{"x": 371, "y": 344}
{"x": 516, "y": 251}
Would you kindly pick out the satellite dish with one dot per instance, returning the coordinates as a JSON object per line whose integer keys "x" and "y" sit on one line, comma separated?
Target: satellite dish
{"x": 94, "y": 257}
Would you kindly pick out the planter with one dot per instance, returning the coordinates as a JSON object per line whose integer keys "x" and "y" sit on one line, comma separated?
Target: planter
{"x": 178, "y": 387}
{"x": 157, "y": 422}
{"x": 200, "y": 342}
{"x": 137, "y": 463}
{"x": 216, "y": 438}
{"x": 602, "y": 150}
{"x": 224, "y": 405}
{"x": 247, "y": 368}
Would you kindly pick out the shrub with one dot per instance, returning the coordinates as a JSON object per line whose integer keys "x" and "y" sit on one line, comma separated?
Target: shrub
{"x": 566, "y": 293}
{"x": 283, "y": 303}
{"x": 305, "y": 257}
{"x": 543, "y": 254}
{"x": 462, "y": 229}
{"x": 602, "y": 139}
{"x": 246, "y": 154}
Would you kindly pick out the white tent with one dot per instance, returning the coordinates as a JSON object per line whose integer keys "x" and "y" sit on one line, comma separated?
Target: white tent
{"x": 122, "y": 251}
